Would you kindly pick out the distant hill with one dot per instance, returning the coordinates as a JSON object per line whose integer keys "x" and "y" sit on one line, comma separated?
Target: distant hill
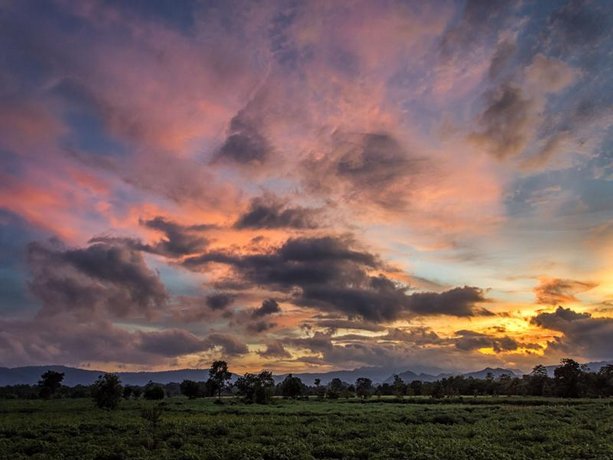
{"x": 74, "y": 376}
{"x": 376, "y": 374}
{"x": 592, "y": 367}
{"x": 410, "y": 376}
{"x": 30, "y": 375}
{"x": 496, "y": 372}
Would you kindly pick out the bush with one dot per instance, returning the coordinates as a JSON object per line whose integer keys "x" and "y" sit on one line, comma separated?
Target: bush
{"x": 153, "y": 392}
{"x": 107, "y": 391}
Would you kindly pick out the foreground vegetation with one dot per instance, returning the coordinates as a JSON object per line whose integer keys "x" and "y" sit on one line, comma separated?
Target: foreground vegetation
{"x": 379, "y": 428}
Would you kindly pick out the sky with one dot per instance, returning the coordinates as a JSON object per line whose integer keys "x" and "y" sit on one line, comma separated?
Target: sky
{"x": 305, "y": 186}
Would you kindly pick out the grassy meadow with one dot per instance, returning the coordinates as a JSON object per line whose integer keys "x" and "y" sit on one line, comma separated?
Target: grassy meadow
{"x": 472, "y": 429}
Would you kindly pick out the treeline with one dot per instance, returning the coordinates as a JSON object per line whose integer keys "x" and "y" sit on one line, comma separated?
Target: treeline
{"x": 570, "y": 380}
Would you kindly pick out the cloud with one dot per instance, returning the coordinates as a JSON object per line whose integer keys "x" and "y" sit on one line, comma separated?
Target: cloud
{"x": 370, "y": 166}
{"x": 219, "y": 301}
{"x": 172, "y": 342}
{"x": 231, "y": 346}
{"x": 554, "y": 291}
{"x": 331, "y": 274}
{"x": 460, "y": 301}
{"x": 245, "y": 144}
{"x": 506, "y": 121}
{"x": 100, "y": 279}
{"x": 180, "y": 240}
{"x": 275, "y": 349}
{"x": 270, "y": 212}
{"x": 479, "y": 20}
{"x": 583, "y": 335}
{"x": 268, "y": 307}
{"x": 59, "y": 338}
{"x": 471, "y": 340}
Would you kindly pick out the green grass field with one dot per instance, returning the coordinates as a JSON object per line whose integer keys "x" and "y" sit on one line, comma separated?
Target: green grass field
{"x": 495, "y": 428}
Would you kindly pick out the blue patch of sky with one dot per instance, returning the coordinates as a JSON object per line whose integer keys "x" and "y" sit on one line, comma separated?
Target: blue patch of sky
{"x": 15, "y": 234}
{"x": 178, "y": 281}
{"x": 179, "y": 14}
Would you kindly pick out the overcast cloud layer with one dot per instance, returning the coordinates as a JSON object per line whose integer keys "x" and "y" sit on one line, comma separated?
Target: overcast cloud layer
{"x": 305, "y": 185}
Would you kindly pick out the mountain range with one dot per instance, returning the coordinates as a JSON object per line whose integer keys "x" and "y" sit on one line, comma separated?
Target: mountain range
{"x": 30, "y": 375}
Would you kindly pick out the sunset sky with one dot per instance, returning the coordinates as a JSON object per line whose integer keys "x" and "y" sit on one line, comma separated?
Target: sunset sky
{"x": 305, "y": 185}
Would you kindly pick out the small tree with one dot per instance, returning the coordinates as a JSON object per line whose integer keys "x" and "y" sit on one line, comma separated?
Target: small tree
{"x": 291, "y": 387}
{"x": 256, "y": 388}
{"x": 537, "y": 380}
{"x": 363, "y": 387}
{"x": 321, "y": 391}
{"x": 335, "y": 388}
{"x": 219, "y": 376}
{"x": 190, "y": 389}
{"x": 153, "y": 391}
{"x": 567, "y": 378}
{"x": 399, "y": 388}
{"x": 416, "y": 387}
{"x": 49, "y": 383}
{"x": 107, "y": 391}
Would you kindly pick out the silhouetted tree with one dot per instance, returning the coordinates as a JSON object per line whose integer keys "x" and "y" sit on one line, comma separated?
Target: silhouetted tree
{"x": 567, "y": 378}
{"x": 219, "y": 376}
{"x": 538, "y": 380}
{"x": 291, "y": 387}
{"x": 256, "y": 388}
{"x": 335, "y": 388}
{"x": 190, "y": 389}
{"x": 399, "y": 388}
{"x": 363, "y": 387}
{"x": 49, "y": 383}
{"x": 416, "y": 387}
{"x": 603, "y": 381}
{"x": 153, "y": 391}
{"x": 107, "y": 391}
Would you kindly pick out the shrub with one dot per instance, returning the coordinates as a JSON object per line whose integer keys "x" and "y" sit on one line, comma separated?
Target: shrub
{"x": 107, "y": 391}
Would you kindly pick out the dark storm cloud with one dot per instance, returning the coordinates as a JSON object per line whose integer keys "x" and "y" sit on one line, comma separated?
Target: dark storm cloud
{"x": 458, "y": 301}
{"x": 275, "y": 349}
{"x": 368, "y": 166}
{"x": 556, "y": 291}
{"x": 61, "y": 339}
{"x": 172, "y": 342}
{"x": 504, "y": 121}
{"x": 378, "y": 158}
{"x": 180, "y": 239}
{"x": 471, "y": 340}
{"x": 583, "y": 335}
{"x": 268, "y": 307}
{"x": 219, "y": 301}
{"x": 230, "y": 345}
{"x": 331, "y": 274}
{"x": 270, "y": 212}
{"x": 258, "y": 327}
{"x": 101, "y": 278}
{"x": 334, "y": 324}
{"x": 245, "y": 144}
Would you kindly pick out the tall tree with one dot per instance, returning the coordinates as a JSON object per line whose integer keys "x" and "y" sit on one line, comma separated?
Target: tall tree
{"x": 567, "y": 378}
{"x": 398, "y": 386}
{"x": 107, "y": 391}
{"x": 49, "y": 383}
{"x": 291, "y": 387}
{"x": 219, "y": 375}
{"x": 363, "y": 387}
